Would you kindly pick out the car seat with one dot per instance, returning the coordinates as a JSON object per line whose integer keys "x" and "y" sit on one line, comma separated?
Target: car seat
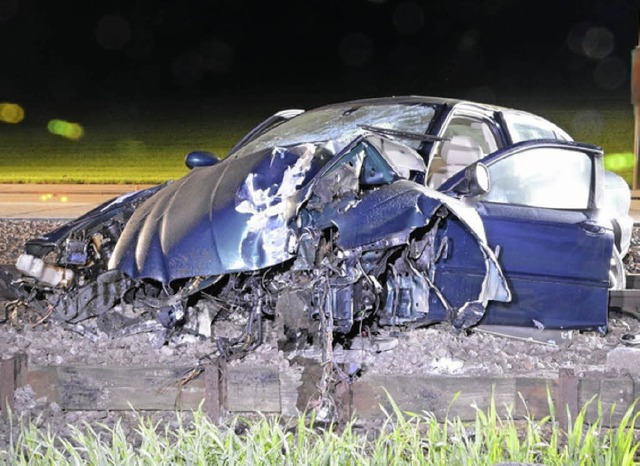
{"x": 457, "y": 153}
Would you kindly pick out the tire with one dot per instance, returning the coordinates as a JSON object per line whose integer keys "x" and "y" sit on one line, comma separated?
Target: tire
{"x": 617, "y": 273}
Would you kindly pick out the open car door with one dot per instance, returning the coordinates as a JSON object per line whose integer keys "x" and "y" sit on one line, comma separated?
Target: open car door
{"x": 543, "y": 212}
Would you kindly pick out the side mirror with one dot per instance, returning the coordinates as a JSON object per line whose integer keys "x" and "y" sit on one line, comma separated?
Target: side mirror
{"x": 476, "y": 180}
{"x": 200, "y": 158}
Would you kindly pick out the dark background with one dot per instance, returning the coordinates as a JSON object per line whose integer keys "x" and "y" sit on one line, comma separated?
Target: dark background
{"x": 193, "y": 50}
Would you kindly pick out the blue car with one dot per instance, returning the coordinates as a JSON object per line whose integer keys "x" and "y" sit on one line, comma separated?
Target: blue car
{"x": 349, "y": 218}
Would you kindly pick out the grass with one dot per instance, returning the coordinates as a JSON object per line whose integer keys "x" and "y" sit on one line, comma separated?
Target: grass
{"x": 150, "y": 153}
{"x": 402, "y": 438}
{"x": 147, "y": 145}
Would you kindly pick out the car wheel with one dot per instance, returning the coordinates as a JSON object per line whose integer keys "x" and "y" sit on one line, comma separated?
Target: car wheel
{"x": 617, "y": 273}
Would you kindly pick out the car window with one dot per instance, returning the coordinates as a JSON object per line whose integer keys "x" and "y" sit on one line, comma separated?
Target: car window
{"x": 542, "y": 177}
{"x": 342, "y": 124}
{"x": 525, "y": 127}
{"x": 478, "y": 137}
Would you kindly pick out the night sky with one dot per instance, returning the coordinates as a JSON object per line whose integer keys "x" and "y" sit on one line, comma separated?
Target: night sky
{"x": 75, "y": 51}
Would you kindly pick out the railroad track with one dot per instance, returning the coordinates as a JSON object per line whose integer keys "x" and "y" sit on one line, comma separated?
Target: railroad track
{"x": 628, "y": 300}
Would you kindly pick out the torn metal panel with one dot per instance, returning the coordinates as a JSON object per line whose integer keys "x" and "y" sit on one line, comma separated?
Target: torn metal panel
{"x": 271, "y": 208}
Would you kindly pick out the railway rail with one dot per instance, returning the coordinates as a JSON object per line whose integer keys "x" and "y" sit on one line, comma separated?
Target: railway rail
{"x": 627, "y": 300}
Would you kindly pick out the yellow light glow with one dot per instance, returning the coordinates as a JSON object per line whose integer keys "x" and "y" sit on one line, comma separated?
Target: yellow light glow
{"x": 64, "y": 199}
{"x": 46, "y": 197}
{"x": 11, "y": 113}
{"x": 54, "y": 126}
{"x": 73, "y": 131}
{"x": 619, "y": 162}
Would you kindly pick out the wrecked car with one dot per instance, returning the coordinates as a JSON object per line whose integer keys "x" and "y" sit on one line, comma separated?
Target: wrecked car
{"x": 349, "y": 218}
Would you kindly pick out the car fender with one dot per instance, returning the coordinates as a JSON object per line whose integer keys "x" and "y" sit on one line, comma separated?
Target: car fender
{"x": 124, "y": 204}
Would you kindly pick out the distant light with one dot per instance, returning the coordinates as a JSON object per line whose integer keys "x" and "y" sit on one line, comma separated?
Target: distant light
{"x": 53, "y": 197}
{"x": 11, "y": 113}
{"x": 598, "y": 43}
{"x": 575, "y": 37}
{"x": 73, "y": 131}
{"x": 619, "y": 162}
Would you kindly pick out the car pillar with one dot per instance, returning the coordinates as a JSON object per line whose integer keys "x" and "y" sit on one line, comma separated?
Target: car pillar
{"x": 635, "y": 100}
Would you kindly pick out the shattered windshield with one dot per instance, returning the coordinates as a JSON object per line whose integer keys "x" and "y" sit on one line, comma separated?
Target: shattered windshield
{"x": 342, "y": 124}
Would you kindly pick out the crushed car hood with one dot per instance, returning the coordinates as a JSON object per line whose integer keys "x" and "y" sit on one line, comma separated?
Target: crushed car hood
{"x": 230, "y": 217}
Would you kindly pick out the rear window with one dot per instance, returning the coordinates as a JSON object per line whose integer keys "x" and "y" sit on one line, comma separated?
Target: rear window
{"x": 525, "y": 127}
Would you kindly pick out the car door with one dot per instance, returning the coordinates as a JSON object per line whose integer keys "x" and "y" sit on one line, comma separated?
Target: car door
{"x": 542, "y": 212}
